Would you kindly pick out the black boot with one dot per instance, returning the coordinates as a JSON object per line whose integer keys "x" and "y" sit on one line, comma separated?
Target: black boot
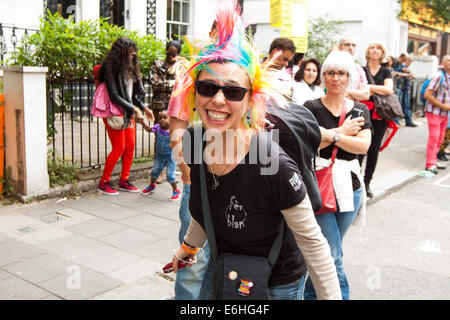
{"x": 369, "y": 191}
{"x": 441, "y": 156}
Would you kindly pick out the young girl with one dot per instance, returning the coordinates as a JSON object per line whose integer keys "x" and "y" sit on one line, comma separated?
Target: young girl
{"x": 163, "y": 157}
{"x": 226, "y": 86}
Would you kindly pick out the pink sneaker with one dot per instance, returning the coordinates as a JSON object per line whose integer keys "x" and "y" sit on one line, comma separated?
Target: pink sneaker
{"x": 105, "y": 188}
{"x": 175, "y": 195}
{"x": 125, "y": 185}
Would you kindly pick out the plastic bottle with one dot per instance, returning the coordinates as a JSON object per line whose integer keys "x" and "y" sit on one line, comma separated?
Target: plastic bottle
{"x": 426, "y": 174}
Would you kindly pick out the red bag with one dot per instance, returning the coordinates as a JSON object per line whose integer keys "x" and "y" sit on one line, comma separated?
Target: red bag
{"x": 325, "y": 179}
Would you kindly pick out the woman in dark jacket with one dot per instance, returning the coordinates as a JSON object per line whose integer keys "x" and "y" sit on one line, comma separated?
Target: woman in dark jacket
{"x": 121, "y": 73}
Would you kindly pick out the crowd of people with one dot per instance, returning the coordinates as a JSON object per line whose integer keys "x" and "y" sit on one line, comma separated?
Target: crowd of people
{"x": 225, "y": 88}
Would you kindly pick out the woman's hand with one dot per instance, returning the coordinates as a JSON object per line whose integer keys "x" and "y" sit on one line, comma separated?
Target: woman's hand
{"x": 149, "y": 114}
{"x": 351, "y": 127}
{"x": 181, "y": 254}
{"x": 139, "y": 116}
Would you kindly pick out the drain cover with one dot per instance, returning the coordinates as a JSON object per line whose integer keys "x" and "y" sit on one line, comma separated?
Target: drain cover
{"x": 26, "y": 230}
{"x": 53, "y": 217}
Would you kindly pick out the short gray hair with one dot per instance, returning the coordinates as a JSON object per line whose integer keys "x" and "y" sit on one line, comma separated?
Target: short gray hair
{"x": 341, "y": 40}
{"x": 338, "y": 60}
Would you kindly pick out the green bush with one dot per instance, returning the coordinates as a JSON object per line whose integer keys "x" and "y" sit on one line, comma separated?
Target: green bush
{"x": 70, "y": 50}
{"x": 323, "y": 34}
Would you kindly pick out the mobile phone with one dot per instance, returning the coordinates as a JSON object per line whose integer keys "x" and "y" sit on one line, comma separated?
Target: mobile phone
{"x": 169, "y": 267}
{"x": 356, "y": 113}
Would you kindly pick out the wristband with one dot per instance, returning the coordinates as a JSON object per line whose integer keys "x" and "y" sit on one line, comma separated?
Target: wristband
{"x": 188, "y": 249}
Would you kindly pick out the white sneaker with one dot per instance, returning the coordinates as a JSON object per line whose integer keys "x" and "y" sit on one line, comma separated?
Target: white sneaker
{"x": 441, "y": 165}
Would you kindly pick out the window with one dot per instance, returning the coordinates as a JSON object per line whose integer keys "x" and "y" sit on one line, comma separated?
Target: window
{"x": 177, "y": 18}
{"x": 113, "y": 10}
{"x": 64, "y": 7}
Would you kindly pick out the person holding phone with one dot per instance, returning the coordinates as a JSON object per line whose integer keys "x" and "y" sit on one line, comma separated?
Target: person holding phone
{"x": 352, "y": 138}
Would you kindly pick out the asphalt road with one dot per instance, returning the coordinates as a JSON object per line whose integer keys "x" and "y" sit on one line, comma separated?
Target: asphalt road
{"x": 404, "y": 250}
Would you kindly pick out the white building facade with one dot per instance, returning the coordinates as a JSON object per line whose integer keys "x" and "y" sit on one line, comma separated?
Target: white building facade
{"x": 362, "y": 19}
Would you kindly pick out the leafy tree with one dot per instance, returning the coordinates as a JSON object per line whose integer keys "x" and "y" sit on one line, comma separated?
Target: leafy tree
{"x": 323, "y": 34}
{"x": 70, "y": 50}
{"x": 434, "y": 12}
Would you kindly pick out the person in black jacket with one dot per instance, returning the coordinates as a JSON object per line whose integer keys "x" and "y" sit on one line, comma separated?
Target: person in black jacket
{"x": 121, "y": 74}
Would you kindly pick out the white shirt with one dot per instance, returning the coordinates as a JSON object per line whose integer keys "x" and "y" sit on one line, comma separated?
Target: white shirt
{"x": 358, "y": 77}
{"x": 302, "y": 92}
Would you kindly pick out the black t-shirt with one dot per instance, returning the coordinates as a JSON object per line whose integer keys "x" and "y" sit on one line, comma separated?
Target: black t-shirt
{"x": 246, "y": 206}
{"x": 327, "y": 120}
{"x": 382, "y": 74}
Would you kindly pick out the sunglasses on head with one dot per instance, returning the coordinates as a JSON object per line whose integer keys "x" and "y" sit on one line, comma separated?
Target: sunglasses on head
{"x": 209, "y": 90}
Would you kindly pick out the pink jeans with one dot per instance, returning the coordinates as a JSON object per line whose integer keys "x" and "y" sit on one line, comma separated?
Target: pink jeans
{"x": 436, "y": 132}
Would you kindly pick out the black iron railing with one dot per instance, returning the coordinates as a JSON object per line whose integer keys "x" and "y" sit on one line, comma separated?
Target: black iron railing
{"x": 10, "y": 37}
{"x": 74, "y": 134}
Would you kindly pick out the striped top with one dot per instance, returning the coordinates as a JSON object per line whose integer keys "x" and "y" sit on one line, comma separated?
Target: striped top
{"x": 440, "y": 91}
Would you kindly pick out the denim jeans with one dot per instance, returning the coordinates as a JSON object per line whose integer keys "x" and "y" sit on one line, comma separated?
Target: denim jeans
{"x": 162, "y": 161}
{"x": 290, "y": 291}
{"x": 334, "y": 226}
{"x": 189, "y": 280}
{"x": 406, "y": 106}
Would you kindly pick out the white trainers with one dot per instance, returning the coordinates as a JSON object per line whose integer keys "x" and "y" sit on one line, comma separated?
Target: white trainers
{"x": 441, "y": 165}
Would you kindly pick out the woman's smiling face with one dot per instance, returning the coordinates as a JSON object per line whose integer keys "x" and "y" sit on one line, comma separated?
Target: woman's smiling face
{"x": 310, "y": 73}
{"x": 218, "y": 112}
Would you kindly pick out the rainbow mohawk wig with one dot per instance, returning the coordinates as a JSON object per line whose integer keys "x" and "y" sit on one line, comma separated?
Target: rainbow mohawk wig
{"x": 232, "y": 44}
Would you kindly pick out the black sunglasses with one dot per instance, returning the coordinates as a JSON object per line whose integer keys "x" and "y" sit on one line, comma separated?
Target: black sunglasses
{"x": 209, "y": 90}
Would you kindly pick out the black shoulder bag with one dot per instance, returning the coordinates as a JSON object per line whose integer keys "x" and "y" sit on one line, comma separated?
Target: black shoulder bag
{"x": 387, "y": 106}
{"x": 238, "y": 277}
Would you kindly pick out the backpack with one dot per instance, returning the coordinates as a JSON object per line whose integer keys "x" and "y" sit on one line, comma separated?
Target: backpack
{"x": 425, "y": 86}
{"x": 299, "y": 137}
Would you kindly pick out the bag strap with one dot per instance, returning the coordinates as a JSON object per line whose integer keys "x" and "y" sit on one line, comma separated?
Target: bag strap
{"x": 278, "y": 243}
{"x": 209, "y": 228}
{"x": 341, "y": 121}
{"x": 371, "y": 79}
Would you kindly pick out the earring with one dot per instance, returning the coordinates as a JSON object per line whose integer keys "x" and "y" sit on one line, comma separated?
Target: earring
{"x": 248, "y": 118}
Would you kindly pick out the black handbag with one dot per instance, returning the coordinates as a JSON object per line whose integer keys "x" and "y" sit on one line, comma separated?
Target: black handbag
{"x": 238, "y": 277}
{"x": 387, "y": 106}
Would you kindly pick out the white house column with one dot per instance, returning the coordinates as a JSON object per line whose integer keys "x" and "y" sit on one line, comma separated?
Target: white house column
{"x": 26, "y": 128}
{"x": 136, "y": 16}
{"x": 88, "y": 10}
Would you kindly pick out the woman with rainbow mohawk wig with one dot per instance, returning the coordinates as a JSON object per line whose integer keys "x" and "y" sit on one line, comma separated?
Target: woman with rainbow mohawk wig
{"x": 252, "y": 185}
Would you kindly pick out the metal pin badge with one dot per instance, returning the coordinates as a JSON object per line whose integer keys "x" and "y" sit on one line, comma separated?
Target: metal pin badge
{"x": 245, "y": 287}
{"x": 232, "y": 275}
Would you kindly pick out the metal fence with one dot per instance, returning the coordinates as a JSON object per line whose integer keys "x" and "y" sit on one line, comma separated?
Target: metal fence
{"x": 10, "y": 37}
{"x": 76, "y": 136}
